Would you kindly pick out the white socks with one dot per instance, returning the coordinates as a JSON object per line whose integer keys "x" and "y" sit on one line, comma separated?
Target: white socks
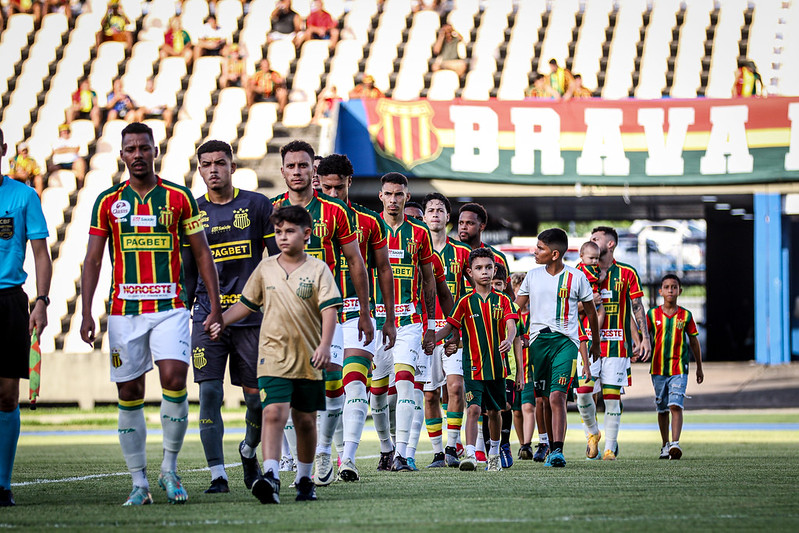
{"x": 406, "y": 408}
{"x": 174, "y": 422}
{"x": 379, "y": 404}
{"x": 612, "y": 423}
{"x": 354, "y": 416}
{"x": 587, "y": 408}
{"x": 328, "y": 422}
{"x": 133, "y": 439}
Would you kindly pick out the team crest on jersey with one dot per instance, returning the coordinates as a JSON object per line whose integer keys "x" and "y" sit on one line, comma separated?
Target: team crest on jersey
{"x": 680, "y": 324}
{"x": 563, "y": 293}
{"x": 241, "y": 218}
{"x": 198, "y": 357}
{"x": 359, "y": 233}
{"x": 618, "y": 285}
{"x": 496, "y": 312}
{"x": 305, "y": 290}
{"x": 166, "y": 217}
{"x": 412, "y": 247}
{"x": 116, "y": 360}
{"x": 320, "y": 229}
{"x": 455, "y": 267}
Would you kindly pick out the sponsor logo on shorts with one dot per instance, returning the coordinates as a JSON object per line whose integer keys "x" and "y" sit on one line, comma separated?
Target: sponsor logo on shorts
{"x": 116, "y": 360}
{"x": 147, "y": 221}
{"x": 120, "y": 208}
{"x": 147, "y": 291}
{"x": 146, "y": 242}
{"x": 351, "y": 305}
{"x": 198, "y": 357}
{"x": 305, "y": 290}
{"x": 399, "y": 310}
{"x": 229, "y": 251}
{"x": 611, "y": 334}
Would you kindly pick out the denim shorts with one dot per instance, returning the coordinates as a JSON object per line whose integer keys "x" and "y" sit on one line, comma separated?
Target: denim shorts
{"x": 669, "y": 390}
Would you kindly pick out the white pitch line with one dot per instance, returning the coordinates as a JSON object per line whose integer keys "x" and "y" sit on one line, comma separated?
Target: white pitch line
{"x": 115, "y": 474}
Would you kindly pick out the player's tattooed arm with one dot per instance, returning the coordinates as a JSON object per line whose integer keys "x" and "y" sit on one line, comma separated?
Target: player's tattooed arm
{"x": 640, "y": 318}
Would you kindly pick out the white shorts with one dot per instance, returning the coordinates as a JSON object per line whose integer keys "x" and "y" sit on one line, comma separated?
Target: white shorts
{"x": 437, "y": 376}
{"x": 350, "y": 329}
{"x": 406, "y": 351}
{"x": 337, "y": 346}
{"x": 138, "y": 340}
{"x": 607, "y": 371}
{"x": 424, "y": 367}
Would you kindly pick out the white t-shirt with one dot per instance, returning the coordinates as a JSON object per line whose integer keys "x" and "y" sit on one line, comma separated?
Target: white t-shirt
{"x": 211, "y": 33}
{"x": 553, "y": 300}
{"x": 65, "y": 157}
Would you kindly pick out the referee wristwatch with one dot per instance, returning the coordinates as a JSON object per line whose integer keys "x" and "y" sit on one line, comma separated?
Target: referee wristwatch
{"x": 45, "y": 299}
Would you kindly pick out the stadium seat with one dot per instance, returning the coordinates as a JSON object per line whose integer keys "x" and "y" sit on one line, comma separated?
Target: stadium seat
{"x": 245, "y": 179}
{"x": 297, "y": 115}
{"x": 688, "y": 64}
{"x": 723, "y": 64}
{"x": 280, "y": 54}
{"x": 623, "y": 50}
{"x": 654, "y": 61}
{"x": 443, "y": 85}
{"x": 588, "y": 50}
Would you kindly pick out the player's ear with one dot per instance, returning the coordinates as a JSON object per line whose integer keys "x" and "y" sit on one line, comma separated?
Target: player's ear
{"x": 232, "y": 167}
{"x": 307, "y": 233}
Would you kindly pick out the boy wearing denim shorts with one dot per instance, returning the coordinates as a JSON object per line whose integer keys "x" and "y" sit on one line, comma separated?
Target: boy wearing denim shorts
{"x": 669, "y": 326}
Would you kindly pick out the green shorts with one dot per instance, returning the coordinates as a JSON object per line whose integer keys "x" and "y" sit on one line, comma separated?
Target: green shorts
{"x": 554, "y": 358}
{"x": 306, "y": 395}
{"x": 527, "y": 394}
{"x": 489, "y": 394}
{"x": 517, "y": 399}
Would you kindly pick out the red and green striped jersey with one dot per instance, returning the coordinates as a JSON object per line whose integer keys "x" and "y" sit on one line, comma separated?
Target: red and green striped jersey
{"x": 371, "y": 233}
{"x": 454, "y": 257}
{"x": 527, "y": 365}
{"x": 619, "y": 288}
{"x": 499, "y": 258}
{"x": 482, "y": 325}
{"x": 591, "y": 274}
{"x": 521, "y": 331}
{"x": 144, "y": 244}
{"x": 409, "y": 247}
{"x": 669, "y": 333}
{"x": 332, "y": 227}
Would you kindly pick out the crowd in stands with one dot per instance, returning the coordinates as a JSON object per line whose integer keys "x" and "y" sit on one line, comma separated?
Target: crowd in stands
{"x": 262, "y": 82}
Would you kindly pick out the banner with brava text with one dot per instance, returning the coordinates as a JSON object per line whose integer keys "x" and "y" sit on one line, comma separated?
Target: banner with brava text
{"x": 602, "y": 142}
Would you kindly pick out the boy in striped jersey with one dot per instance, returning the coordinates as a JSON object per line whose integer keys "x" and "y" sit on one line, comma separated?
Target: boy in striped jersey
{"x": 554, "y": 293}
{"x": 487, "y": 322}
{"x": 145, "y": 218}
{"x": 335, "y": 175}
{"x": 669, "y": 325}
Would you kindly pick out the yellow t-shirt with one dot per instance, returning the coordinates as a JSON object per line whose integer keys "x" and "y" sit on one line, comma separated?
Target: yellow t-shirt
{"x": 292, "y": 305}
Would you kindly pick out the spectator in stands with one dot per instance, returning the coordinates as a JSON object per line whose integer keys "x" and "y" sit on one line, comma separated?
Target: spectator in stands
{"x": 119, "y": 105}
{"x": 320, "y": 25}
{"x": 541, "y": 88}
{"x": 559, "y": 78}
{"x": 234, "y": 69}
{"x": 84, "y": 105}
{"x": 66, "y": 155}
{"x": 151, "y": 104}
{"x": 747, "y": 80}
{"x": 266, "y": 85}
{"x": 286, "y": 23}
{"x": 212, "y": 39}
{"x": 324, "y": 104}
{"x": 576, "y": 89}
{"x": 449, "y": 51}
{"x": 366, "y": 89}
{"x": 58, "y": 6}
{"x": 25, "y": 169}
{"x": 177, "y": 42}
{"x": 30, "y": 7}
{"x": 115, "y": 26}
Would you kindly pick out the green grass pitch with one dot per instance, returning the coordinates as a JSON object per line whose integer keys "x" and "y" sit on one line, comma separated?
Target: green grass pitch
{"x": 727, "y": 479}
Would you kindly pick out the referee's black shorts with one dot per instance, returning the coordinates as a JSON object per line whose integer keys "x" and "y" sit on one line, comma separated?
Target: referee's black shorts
{"x": 14, "y": 317}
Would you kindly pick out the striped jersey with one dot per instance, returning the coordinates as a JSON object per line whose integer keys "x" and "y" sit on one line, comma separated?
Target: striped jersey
{"x": 144, "y": 244}
{"x": 499, "y": 258}
{"x": 619, "y": 288}
{"x": 454, "y": 257}
{"x": 669, "y": 333}
{"x": 554, "y": 299}
{"x": 409, "y": 247}
{"x": 527, "y": 364}
{"x": 481, "y": 322}
{"x": 237, "y": 233}
{"x": 371, "y": 233}
{"x": 332, "y": 227}
{"x": 521, "y": 330}
{"x": 439, "y": 275}
{"x": 591, "y": 273}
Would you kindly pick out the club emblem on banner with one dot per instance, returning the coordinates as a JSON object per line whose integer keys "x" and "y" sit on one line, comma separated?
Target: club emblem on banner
{"x": 405, "y": 132}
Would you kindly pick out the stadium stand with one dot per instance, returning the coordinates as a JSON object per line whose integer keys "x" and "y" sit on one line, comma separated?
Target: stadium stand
{"x": 622, "y": 48}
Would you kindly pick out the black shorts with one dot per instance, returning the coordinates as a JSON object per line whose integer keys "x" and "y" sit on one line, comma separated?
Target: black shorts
{"x": 14, "y": 317}
{"x": 209, "y": 358}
